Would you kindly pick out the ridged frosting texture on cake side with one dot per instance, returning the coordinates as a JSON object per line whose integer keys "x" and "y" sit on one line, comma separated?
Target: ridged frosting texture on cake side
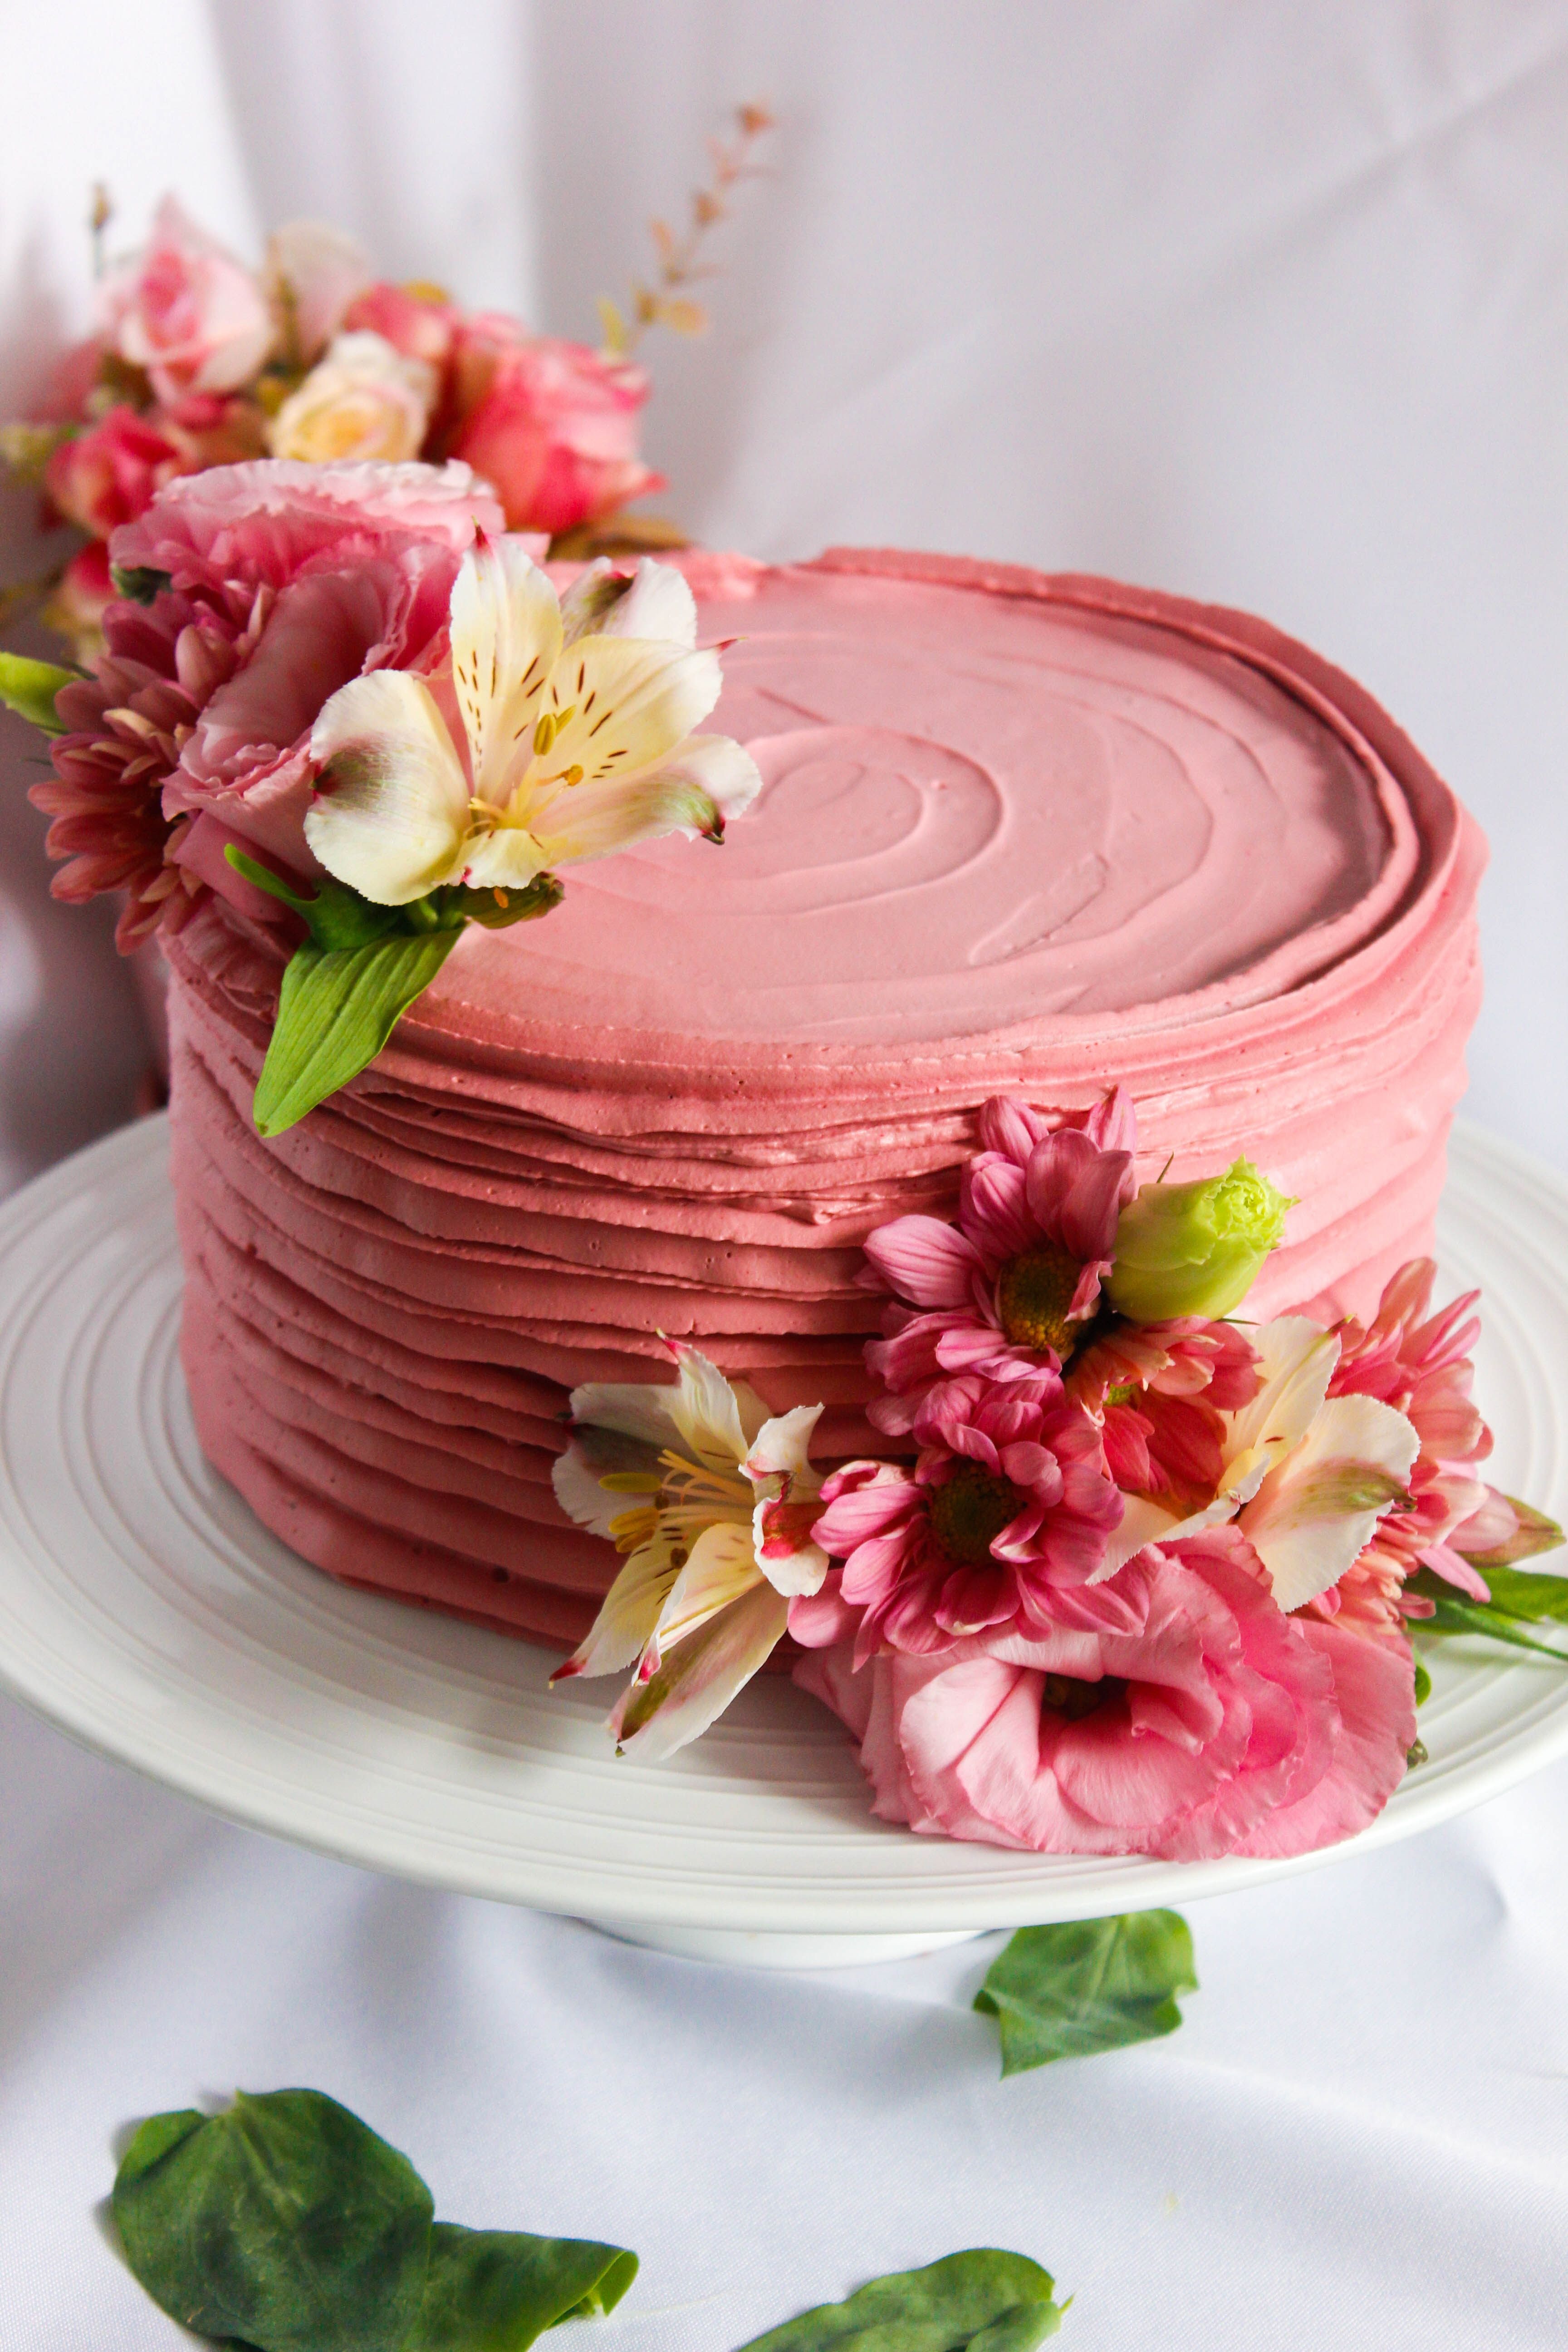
{"x": 1018, "y": 834}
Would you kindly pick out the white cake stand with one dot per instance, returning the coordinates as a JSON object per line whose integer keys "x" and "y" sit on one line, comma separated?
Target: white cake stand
{"x": 145, "y": 1610}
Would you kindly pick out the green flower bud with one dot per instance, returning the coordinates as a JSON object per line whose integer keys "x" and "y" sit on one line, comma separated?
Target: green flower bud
{"x": 1194, "y": 1249}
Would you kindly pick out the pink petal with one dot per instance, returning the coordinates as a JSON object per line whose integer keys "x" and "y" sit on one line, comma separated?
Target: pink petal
{"x": 1092, "y": 1206}
{"x": 1029, "y": 1464}
{"x": 1112, "y": 1125}
{"x": 1007, "y": 1125}
{"x": 852, "y": 1517}
{"x": 925, "y": 1261}
{"x": 995, "y": 1210}
{"x": 1055, "y": 1166}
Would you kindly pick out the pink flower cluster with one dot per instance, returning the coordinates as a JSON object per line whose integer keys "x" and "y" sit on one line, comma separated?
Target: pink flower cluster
{"x": 195, "y": 353}
{"x": 1003, "y": 1686}
{"x": 1420, "y": 1364}
{"x": 286, "y": 581}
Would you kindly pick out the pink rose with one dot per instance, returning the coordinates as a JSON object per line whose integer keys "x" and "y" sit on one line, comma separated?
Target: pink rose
{"x": 111, "y": 473}
{"x": 1215, "y": 1726}
{"x": 187, "y": 312}
{"x": 420, "y": 326}
{"x": 286, "y": 581}
{"x": 554, "y": 427}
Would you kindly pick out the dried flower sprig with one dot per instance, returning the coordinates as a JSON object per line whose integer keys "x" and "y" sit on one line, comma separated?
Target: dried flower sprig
{"x": 665, "y": 304}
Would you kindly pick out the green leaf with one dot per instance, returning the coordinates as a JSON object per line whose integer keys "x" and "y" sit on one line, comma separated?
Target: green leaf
{"x": 498, "y": 2290}
{"x": 285, "y": 2223}
{"x": 335, "y": 917}
{"x": 1422, "y": 1686}
{"x": 1535, "y": 1533}
{"x": 337, "y": 1009}
{"x": 1089, "y": 1985}
{"x": 982, "y": 2301}
{"x": 140, "y": 581}
{"x": 1453, "y": 1615}
{"x": 1527, "y": 1593}
{"x": 29, "y": 687}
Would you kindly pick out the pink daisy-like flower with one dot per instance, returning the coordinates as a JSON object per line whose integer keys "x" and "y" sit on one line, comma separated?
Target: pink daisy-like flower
{"x": 1017, "y": 1278}
{"x": 1205, "y": 1723}
{"x": 995, "y": 1532}
{"x": 1420, "y": 1364}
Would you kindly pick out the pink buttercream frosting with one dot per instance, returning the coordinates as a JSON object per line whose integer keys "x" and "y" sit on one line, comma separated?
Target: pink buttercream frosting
{"x": 1018, "y": 833}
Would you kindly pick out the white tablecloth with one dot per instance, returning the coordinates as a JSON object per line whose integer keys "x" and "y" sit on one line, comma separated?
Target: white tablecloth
{"x": 1261, "y": 304}
{"x": 1354, "y": 2142}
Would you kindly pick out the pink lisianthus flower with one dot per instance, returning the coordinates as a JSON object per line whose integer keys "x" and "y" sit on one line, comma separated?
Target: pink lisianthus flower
{"x": 1420, "y": 1363}
{"x": 286, "y": 581}
{"x": 1017, "y": 1278}
{"x": 187, "y": 312}
{"x": 997, "y": 1529}
{"x": 554, "y": 427}
{"x": 1159, "y": 1391}
{"x": 1207, "y": 1723}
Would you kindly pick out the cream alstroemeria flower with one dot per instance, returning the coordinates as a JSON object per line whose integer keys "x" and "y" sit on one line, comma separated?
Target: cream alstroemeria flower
{"x": 713, "y": 1503}
{"x": 1305, "y": 1476}
{"x": 573, "y": 737}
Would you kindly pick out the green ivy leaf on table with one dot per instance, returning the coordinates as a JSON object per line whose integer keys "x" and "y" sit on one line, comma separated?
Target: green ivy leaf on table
{"x": 981, "y": 2301}
{"x": 284, "y": 2222}
{"x": 499, "y": 2290}
{"x": 349, "y": 985}
{"x": 1088, "y": 1985}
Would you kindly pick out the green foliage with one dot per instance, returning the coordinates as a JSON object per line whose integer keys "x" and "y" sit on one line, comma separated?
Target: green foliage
{"x": 363, "y": 965}
{"x": 1519, "y": 1597}
{"x": 29, "y": 687}
{"x": 285, "y": 2223}
{"x": 981, "y": 2301}
{"x": 1088, "y": 1985}
{"x": 1423, "y": 1684}
{"x": 336, "y": 1011}
{"x": 139, "y": 581}
{"x": 498, "y": 2290}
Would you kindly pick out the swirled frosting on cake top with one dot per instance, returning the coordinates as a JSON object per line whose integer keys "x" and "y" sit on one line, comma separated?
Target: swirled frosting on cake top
{"x": 978, "y": 811}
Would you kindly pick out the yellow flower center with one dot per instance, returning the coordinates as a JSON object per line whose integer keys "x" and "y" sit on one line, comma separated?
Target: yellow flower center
{"x": 1033, "y": 1295}
{"x": 970, "y": 1512}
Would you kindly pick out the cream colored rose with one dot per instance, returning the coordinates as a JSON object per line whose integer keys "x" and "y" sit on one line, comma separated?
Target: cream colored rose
{"x": 364, "y": 399}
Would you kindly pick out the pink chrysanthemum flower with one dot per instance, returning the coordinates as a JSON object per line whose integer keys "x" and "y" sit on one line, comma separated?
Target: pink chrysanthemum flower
{"x": 1018, "y": 1276}
{"x": 127, "y": 727}
{"x": 1159, "y": 1391}
{"x": 994, "y": 1532}
{"x": 1421, "y": 1365}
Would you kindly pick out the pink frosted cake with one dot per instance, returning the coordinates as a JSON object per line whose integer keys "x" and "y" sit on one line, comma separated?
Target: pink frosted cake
{"x": 1018, "y": 834}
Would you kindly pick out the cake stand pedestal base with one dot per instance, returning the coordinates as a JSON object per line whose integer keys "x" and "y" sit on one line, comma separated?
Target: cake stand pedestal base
{"x": 741, "y": 1948}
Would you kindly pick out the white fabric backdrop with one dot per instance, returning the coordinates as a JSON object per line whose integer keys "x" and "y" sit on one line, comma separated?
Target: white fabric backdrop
{"x": 1267, "y": 305}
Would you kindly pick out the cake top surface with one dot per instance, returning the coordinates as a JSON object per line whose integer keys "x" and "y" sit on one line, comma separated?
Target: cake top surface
{"x": 981, "y": 809}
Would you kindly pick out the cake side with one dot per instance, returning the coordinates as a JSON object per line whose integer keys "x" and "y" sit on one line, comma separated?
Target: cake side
{"x": 388, "y": 1304}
